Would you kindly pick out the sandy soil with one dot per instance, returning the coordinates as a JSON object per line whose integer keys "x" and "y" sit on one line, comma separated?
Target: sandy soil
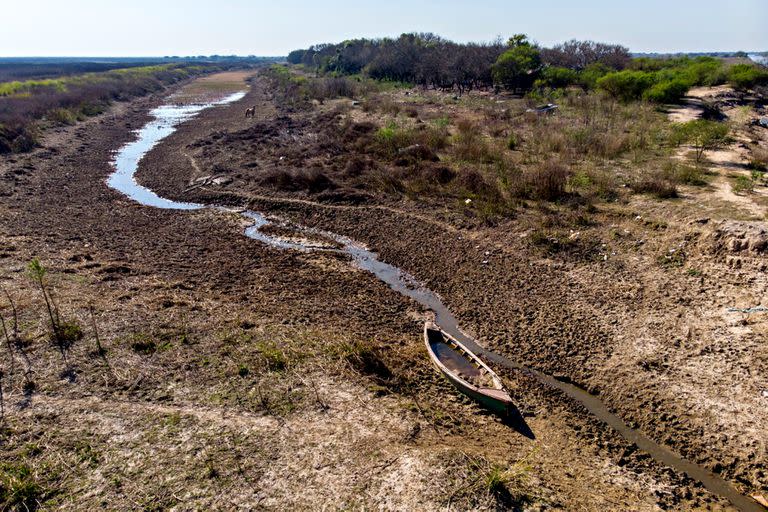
{"x": 655, "y": 341}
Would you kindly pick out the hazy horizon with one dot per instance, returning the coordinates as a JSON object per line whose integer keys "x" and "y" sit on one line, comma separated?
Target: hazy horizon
{"x": 87, "y": 28}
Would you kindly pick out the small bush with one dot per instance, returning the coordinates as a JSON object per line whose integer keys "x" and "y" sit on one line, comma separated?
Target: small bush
{"x": 626, "y": 85}
{"x": 391, "y": 139}
{"x": 756, "y": 165}
{"x": 313, "y": 181}
{"x": 274, "y": 358}
{"x": 310, "y": 180}
{"x": 547, "y": 182}
{"x": 367, "y": 361}
{"x": 69, "y": 332}
{"x": 747, "y": 76}
{"x": 436, "y": 173}
{"x": 19, "y": 490}
{"x": 551, "y": 242}
{"x": 758, "y": 158}
{"x": 670, "y": 91}
{"x": 512, "y": 142}
{"x": 496, "y": 480}
{"x": 470, "y": 145}
{"x": 62, "y": 116}
{"x": 743, "y": 185}
{"x": 381, "y": 103}
{"x": 594, "y": 183}
{"x": 674, "y": 258}
{"x": 655, "y": 184}
{"x": 702, "y": 135}
{"x": 475, "y": 183}
{"x": 329, "y": 88}
{"x": 684, "y": 174}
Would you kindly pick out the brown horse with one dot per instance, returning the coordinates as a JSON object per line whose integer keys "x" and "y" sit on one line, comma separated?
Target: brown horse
{"x": 250, "y": 112}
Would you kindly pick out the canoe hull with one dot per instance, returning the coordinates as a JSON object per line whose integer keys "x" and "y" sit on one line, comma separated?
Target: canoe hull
{"x": 500, "y": 407}
{"x": 495, "y": 399}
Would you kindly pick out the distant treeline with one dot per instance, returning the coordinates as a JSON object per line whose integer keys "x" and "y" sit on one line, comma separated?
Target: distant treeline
{"x": 18, "y": 71}
{"x": 431, "y": 61}
{"x": 67, "y": 99}
{"x": 28, "y": 68}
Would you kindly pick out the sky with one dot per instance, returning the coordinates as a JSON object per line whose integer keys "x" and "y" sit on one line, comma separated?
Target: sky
{"x": 196, "y": 27}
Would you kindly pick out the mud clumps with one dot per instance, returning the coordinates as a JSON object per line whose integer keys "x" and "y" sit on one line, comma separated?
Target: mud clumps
{"x": 739, "y": 237}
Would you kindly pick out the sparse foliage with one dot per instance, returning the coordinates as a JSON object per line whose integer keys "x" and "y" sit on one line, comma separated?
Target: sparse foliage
{"x": 702, "y": 135}
{"x": 578, "y": 55}
{"x": 64, "y": 333}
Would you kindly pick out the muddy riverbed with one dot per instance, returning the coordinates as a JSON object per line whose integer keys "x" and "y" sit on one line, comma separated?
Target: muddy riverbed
{"x": 560, "y": 321}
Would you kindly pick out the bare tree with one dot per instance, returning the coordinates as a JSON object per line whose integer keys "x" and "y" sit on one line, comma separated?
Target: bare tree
{"x": 578, "y": 55}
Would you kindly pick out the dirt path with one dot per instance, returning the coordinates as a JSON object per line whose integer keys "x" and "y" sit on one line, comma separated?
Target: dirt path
{"x": 727, "y": 161}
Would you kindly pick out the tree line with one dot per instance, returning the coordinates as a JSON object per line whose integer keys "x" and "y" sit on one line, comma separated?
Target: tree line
{"x": 520, "y": 65}
{"x": 431, "y": 61}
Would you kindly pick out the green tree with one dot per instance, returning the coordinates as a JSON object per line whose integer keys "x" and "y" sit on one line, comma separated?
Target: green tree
{"x": 746, "y": 76}
{"x": 589, "y": 76}
{"x": 626, "y": 85}
{"x": 702, "y": 135}
{"x": 518, "y": 66}
{"x": 669, "y": 91}
{"x": 557, "y": 77}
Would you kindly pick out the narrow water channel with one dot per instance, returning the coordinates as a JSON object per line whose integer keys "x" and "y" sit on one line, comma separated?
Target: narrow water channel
{"x": 167, "y": 117}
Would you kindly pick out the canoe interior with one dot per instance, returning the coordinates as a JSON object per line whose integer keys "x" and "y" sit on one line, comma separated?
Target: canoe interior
{"x": 462, "y": 366}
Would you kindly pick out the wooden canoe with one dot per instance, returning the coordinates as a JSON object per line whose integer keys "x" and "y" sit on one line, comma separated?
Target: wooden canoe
{"x": 470, "y": 375}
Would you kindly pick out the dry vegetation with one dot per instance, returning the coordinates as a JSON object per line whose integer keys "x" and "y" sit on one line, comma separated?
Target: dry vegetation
{"x": 123, "y": 385}
{"x": 482, "y": 150}
{"x": 166, "y": 400}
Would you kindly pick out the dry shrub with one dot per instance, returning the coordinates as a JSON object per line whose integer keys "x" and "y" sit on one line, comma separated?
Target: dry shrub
{"x": 548, "y": 135}
{"x": 656, "y": 184}
{"x": 392, "y": 140}
{"x": 437, "y": 173}
{"x": 548, "y": 181}
{"x": 310, "y": 180}
{"x": 475, "y": 183}
{"x": 343, "y": 196}
{"x": 758, "y": 158}
{"x": 328, "y": 88}
{"x": 470, "y": 145}
{"x": 351, "y": 132}
{"x": 17, "y": 137}
{"x": 381, "y": 103}
{"x": 414, "y": 154}
{"x": 592, "y": 141}
{"x": 387, "y": 181}
{"x": 355, "y": 166}
{"x": 433, "y": 137}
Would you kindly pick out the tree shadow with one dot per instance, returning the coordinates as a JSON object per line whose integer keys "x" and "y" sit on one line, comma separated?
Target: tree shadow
{"x": 29, "y": 391}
